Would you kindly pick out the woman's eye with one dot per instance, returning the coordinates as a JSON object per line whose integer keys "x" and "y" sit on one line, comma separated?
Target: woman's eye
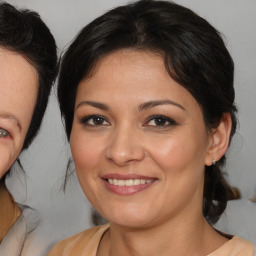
{"x": 94, "y": 120}
{"x": 3, "y": 133}
{"x": 160, "y": 121}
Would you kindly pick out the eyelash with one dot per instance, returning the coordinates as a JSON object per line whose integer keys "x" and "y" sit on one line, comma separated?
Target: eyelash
{"x": 85, "y": 120}
{"x": 165, "y": 119}
{"x": 102, "y": 119}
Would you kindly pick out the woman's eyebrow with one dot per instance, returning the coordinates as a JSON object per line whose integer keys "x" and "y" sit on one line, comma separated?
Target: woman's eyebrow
{"x": 93, "y": 104}
{"x": 12, "y": 118}
{"x": 143, "y": 106}
{"x": 154, "y": 103}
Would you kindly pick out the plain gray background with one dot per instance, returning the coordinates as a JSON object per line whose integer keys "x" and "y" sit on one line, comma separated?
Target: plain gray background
{"x": 62, "y": 214}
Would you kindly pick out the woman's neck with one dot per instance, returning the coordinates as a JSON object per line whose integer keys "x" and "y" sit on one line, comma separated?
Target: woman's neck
{"x": 180, "y": 238}
{"x": 9, "y": 211}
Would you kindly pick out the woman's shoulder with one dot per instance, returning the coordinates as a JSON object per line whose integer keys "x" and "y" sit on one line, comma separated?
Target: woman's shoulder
{"x": 235, "y": 247}
{"x": 81, "y": 243}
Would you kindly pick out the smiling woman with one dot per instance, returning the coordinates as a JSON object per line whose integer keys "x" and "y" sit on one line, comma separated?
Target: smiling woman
{"x": 146, "y": 92}
{"x": 150, "y": 137}
{"x": 28, "y": 65}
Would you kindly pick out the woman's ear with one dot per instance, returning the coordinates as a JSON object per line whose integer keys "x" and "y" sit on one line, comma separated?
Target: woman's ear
{"x": 219, "y": 140}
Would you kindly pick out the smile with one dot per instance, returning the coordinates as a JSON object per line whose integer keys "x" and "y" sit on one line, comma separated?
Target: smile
{"x": 128, "y": 183}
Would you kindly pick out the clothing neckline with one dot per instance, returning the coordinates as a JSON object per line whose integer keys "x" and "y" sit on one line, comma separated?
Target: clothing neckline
{"x": 227, "y": 246}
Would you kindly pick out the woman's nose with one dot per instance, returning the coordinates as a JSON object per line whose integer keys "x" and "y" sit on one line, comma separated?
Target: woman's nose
{"x": 125, "y": 147}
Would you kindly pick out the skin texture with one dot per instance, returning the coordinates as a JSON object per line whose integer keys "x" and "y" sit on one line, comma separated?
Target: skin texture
{"x": 128, "y": 89}
{"x": 18, "y": 86}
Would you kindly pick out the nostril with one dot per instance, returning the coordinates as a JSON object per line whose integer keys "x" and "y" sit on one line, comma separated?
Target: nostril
{"x": 124, "y": 147}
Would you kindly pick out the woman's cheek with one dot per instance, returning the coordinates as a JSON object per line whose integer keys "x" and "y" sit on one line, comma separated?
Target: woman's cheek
{"x": 7, "y": 157}
{"x": 168, "y": 152}
{"x": 83, "y": 150}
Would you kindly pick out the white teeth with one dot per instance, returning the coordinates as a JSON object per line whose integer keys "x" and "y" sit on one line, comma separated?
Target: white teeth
{"x": 142, "y": 182}
{"x": 128, "y": 183}
{"x": 120, "y": 182}
{"x": 136, "y": 182}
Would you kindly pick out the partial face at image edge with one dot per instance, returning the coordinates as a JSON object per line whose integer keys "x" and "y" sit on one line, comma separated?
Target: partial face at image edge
{"x": 19, "y": 87}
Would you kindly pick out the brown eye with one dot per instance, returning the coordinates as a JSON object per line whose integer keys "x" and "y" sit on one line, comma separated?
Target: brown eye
{"x": 3, "y": 133}
{"x": 160, "y": 121}
{"x": 94, "y": 120}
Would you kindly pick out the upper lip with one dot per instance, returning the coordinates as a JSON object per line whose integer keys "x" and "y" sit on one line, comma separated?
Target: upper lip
{"x": 125, "y": 176}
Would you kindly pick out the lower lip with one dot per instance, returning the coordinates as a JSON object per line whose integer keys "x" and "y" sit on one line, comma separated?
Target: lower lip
{"x": 126, "y": 190}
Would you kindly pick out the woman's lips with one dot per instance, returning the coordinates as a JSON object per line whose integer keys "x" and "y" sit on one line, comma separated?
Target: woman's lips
{"x": 127, "y": 184}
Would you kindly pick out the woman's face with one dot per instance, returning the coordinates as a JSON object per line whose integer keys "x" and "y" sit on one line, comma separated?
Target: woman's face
{"x": 18, "y": 91}
{"x": 139, "y": 141}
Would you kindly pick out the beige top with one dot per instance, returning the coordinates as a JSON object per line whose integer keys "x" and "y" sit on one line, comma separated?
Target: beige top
{"x": 9, "y": 211}
{"x": 86, "y": 244}
{"x": 12, "y": 225}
